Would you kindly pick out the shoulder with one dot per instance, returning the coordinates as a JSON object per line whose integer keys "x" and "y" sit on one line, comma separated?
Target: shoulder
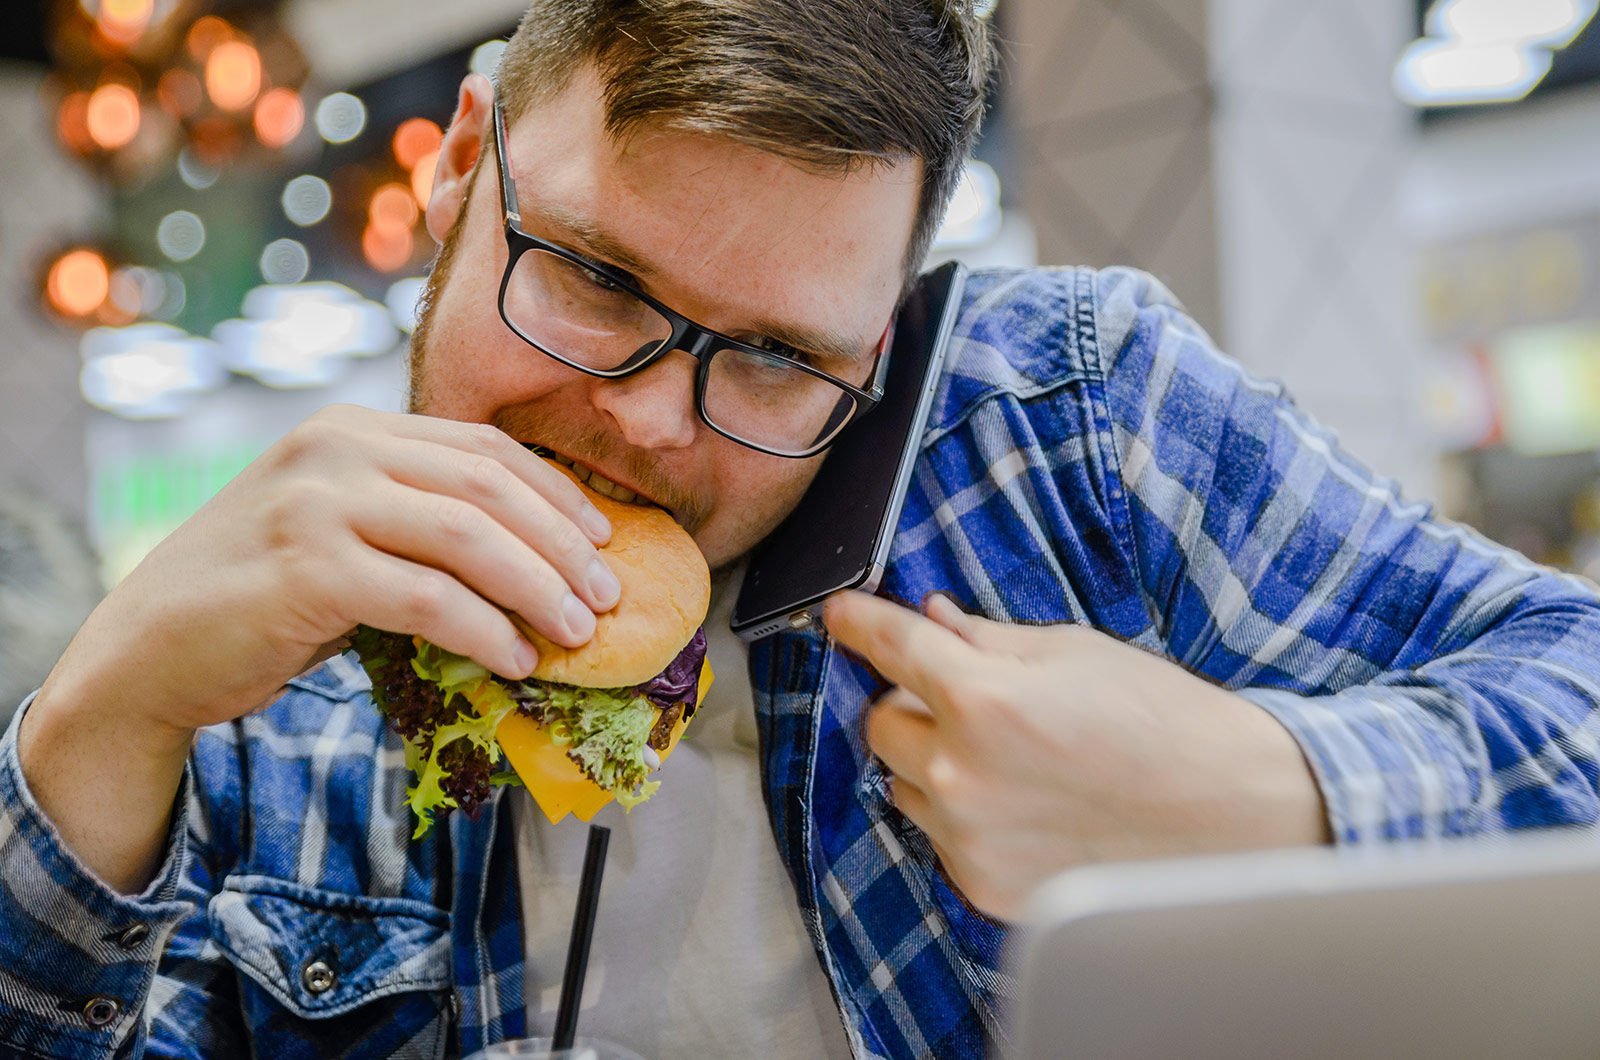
{"x": 1029, "y": 332}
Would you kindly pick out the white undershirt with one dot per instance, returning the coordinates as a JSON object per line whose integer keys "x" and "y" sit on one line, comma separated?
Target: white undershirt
{"x": 699, "y": 951}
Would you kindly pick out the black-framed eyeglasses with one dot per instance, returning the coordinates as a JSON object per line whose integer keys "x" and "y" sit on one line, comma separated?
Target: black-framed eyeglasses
{"x": 594, "y": 318}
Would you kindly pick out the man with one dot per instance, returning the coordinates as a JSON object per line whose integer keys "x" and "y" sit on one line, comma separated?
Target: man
{"x": 1289, "y": 653}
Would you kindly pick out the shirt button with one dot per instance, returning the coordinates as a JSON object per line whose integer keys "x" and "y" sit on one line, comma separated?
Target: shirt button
{"x": 100, "y": 1011}
{"x": 455, "y": 1007}
{"x": 318, "y": 977}
{"x": 131, "y": 938}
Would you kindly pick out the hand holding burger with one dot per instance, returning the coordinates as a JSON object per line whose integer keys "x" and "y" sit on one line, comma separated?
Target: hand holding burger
{"x": 589, "y": 724}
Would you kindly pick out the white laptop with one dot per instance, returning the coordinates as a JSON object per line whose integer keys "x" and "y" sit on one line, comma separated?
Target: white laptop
{"x": 1470, "y": 950}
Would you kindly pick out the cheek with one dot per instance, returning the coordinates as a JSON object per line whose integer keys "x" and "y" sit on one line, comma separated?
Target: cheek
{"x": 752, "y": 496}
{"x": 470, "y": 364}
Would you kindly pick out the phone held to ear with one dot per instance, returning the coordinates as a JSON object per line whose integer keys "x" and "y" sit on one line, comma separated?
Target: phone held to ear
{"x": 838, "y": 536}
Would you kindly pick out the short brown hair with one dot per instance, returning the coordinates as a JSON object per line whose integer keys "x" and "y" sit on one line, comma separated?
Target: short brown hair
{"x": 829, "y": 84}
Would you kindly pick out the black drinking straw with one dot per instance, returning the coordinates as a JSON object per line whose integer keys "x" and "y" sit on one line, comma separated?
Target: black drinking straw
{"x": 594, "y": 866}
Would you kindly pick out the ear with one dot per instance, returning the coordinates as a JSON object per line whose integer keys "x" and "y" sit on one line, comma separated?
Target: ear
{"x": 458, "y": 155}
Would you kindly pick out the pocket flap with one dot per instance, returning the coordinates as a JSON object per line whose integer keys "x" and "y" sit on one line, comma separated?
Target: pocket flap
{"x": 321, "y": 953}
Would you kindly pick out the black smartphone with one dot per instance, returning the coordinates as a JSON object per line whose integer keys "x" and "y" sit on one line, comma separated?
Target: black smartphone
{"x": 838, "y": 536}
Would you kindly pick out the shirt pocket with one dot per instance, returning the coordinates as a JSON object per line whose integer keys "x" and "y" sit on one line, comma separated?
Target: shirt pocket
{"x": 319, "y": 970}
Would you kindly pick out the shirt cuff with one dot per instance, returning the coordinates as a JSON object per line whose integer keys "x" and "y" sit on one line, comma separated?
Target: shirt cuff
{"x": 76, "y": 957}
{"x": 1384, "y": 771}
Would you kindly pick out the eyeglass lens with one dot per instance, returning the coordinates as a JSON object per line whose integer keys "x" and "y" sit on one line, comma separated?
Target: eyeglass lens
{"x": 580, "y": 316}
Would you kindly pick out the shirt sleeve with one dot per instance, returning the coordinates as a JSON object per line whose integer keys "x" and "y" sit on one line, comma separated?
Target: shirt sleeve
{"x": 77, "y": 959}
{"x": 1438, "y": 683}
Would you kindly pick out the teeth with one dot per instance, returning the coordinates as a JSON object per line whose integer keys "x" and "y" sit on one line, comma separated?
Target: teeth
{"x": 567, "y": 460}
{"x": 600, "y": 484}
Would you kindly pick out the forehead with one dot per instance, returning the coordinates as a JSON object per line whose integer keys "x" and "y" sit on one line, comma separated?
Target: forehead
{"x": 725, "y": 229}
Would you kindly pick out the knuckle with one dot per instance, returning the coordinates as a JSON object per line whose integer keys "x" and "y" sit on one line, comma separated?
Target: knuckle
{"x": 298, "y": 444}
{"x": 286, "y": 514}
{"x": 948, "y": 782}
{"x": 456, "y": 522}
{"x": 489, "y": 439}
{"x": 977, "y": 702}
{"x": 571, "y": 544}
{"x": 483, "y": 478}
{"x": 299, "y": 575}
{"x": 425, "y": 596}
{"x": 562, "y": 541}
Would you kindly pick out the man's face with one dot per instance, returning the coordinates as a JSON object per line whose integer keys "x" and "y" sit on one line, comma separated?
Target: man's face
{"x": 727, "y": 235}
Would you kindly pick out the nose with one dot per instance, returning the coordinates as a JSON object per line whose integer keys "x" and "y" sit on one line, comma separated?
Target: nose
{"x": 653, "y": 409}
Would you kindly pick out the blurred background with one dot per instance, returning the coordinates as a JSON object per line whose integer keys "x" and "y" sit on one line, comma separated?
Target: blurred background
{"x": 210, "y": 227}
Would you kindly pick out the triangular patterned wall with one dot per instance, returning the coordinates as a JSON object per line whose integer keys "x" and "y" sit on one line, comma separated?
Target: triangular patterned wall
{"x": 1248, "y": 152}
{"x": 1112, "y": 104}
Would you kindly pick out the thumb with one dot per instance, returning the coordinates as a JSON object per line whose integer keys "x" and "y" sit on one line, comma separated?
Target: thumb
{"x": 999, "y": 638}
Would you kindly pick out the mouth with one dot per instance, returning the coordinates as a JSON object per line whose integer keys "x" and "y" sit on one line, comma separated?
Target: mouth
{"x": 599, "y": 483}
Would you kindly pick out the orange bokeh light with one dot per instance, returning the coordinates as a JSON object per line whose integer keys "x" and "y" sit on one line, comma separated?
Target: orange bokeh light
{"x": 233, "y": 75}
{"x": 72, "y": 123}
{"x": 414, "y": 140}
{"x": 387, "y": 249}
{"x": 79, "y": 282}
{"x": 422, "y": 178}
{"x": 124, "y": 20}
{"x": 113, "y": 116}
{"x": 393, "y": 207}
{"x": 180, "y": 93}
{"x": 280, "y": 115}
{"x": 206, "y": 33}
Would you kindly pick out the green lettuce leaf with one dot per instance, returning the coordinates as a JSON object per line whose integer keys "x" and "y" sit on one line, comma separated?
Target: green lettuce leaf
{"x": 457, "y": 676}
{"x": 604, "y": 730}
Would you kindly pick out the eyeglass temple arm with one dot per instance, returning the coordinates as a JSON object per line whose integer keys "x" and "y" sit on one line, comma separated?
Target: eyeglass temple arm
{"x": 880, "y": 373}
{"x": 508, "y": 185}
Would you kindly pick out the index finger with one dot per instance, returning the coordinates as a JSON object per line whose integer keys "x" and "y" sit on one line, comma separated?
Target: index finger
{"x": 535, "y": 471}
{"x": 906, "y": 648}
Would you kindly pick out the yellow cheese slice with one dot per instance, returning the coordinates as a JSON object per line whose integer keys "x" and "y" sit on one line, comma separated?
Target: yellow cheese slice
{"x": 554, "y": 780}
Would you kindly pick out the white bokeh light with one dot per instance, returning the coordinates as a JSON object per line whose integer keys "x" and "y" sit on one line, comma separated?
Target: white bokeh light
{"x": 341, "y": 117}
{"x": 195, "y": 171}
{"x": 147, "y": 371}
{"x": 1487, "y": 51}
{"x": 181, "y": 235}
{"x": 307, "y": 200}
{"x": 486, "y": 58}
{"x": 303, "y": 335}
{"x": 402, "y": 300}
{"x": 973, "y": 215}
{"x": 285, "y": 261}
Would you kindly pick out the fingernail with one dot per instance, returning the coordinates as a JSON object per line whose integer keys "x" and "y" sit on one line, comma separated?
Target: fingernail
{"x": 597, "y": 525}
{"x": 579, "y": 619}
{"x": 524, "y": 656}
{"x": 602, "y": 582}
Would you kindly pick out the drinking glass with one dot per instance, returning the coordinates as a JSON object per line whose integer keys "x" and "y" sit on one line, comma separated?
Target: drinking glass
{"x": 539, "y": 1049}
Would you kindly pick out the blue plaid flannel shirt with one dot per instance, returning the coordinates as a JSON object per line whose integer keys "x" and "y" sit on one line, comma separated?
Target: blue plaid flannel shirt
{"x": 1091, "y": 458}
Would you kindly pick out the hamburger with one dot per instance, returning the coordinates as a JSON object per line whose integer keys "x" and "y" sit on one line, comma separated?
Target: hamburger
{"x": 590, "y": 724}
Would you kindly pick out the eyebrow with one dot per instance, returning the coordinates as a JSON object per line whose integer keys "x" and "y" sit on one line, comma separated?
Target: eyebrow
{"x": 825, "y": 343}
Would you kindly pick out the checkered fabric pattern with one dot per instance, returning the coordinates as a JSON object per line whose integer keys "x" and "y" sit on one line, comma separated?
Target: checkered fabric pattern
{"x": 1094, "y": 459}
{"x": 1091, "y": 459}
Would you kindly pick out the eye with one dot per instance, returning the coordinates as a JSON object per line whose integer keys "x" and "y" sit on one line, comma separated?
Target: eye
{"x": 602, "y": 281}
{"x": 780, "y": 349}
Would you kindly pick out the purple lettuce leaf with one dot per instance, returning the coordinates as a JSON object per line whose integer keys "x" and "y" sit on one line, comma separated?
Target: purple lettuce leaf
{"x": 680, "y": 681}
